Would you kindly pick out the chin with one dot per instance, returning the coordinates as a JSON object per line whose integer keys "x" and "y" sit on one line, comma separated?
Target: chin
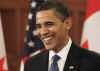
{"x": 50, "y": 47}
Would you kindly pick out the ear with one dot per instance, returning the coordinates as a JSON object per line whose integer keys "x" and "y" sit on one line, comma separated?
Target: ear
{"x": 68, "y": 23}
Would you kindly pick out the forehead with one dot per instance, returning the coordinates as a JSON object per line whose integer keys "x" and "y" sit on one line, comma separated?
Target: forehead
{"x": 45, "y": 14}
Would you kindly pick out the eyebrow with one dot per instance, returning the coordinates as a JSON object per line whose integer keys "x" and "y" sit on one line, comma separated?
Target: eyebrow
{"x": 50, "y": 22}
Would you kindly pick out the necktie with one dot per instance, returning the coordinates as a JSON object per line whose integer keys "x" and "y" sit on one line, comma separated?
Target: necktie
{"x": 54, "y": 65}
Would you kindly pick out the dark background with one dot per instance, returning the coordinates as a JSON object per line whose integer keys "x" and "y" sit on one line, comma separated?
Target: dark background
{"x": 14, "y": 19}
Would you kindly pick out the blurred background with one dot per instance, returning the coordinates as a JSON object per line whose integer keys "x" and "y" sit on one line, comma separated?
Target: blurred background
{"x": 14, "y": 14}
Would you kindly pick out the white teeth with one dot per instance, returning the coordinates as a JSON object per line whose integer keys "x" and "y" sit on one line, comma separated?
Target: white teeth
{"x": 46, "y": 39}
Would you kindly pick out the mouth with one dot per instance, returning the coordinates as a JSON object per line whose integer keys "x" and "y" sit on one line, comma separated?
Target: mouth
{"x": 47, "y": 40}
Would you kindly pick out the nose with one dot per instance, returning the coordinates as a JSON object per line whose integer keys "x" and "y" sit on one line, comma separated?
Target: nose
{"x": 42, "y": 31}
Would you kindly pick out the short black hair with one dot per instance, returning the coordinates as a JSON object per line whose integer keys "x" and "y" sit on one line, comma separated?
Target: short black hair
{"x": 59, "y": 8}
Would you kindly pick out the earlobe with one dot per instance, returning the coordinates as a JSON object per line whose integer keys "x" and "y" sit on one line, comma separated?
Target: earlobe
{"x": 68, "y": 23}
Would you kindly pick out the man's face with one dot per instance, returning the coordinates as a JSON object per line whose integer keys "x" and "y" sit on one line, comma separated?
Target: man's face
{"x": 51, "y": 29}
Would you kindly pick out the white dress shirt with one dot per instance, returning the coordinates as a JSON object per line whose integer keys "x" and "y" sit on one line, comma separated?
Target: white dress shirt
{"x": 63, "y": 55}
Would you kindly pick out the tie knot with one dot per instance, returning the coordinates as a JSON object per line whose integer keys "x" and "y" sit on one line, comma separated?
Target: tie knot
{"x": 55, "y": 58}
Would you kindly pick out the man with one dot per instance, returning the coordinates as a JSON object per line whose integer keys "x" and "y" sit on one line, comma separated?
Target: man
{"x": 53, "y": 22}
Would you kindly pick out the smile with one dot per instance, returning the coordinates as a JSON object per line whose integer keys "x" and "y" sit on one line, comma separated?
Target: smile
{"x": 46, "y": 40}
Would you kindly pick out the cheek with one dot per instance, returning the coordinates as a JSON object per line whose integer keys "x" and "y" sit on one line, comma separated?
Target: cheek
{"x": 61, "y": 34}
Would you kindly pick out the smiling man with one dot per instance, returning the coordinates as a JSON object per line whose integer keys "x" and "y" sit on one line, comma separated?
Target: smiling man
{"x": 53, "y": 23}
{"x": 52, "y": 30}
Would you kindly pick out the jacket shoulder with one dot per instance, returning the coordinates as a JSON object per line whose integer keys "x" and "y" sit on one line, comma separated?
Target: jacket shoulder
{"x": 36, "y": 62}
{"x": 87, "y": 54}
{"x": 38, "y": 56}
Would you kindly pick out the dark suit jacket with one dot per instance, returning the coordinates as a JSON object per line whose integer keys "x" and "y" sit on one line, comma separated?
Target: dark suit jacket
{"x": 78, "y": 59}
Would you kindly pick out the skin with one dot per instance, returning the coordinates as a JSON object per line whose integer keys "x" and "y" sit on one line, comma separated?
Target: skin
{"x": 52, "y": 30}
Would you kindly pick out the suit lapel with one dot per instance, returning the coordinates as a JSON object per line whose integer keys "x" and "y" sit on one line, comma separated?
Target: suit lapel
{"x": 73, "y": 59}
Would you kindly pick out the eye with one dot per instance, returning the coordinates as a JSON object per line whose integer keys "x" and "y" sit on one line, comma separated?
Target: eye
{"x": 49, "y": 23}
